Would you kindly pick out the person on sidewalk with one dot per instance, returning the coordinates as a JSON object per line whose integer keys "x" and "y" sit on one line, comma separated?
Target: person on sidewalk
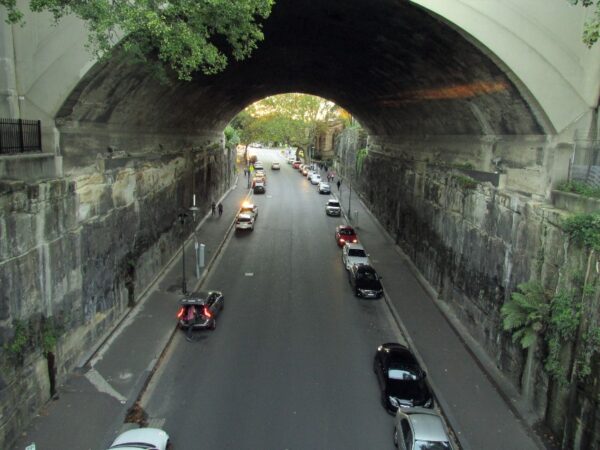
{"x": 213, "y": 208}
{"x": 220, "y": 207}
{"x": 339, "y": 183}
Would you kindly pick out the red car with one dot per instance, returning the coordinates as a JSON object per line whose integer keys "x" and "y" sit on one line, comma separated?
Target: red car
{"x": 296, "y": 164}
{"x": 345, "y": 233}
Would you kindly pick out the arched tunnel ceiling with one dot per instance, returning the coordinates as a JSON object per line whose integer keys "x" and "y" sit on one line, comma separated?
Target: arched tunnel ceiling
{"x": 393, "y": 65}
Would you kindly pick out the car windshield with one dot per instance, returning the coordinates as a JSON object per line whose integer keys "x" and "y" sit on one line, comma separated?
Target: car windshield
{"x": 346, "y": 232}
{"x": 403, "y": 374}
{"x": 431, "y": 445}
{"x": 367, "y": 275}
{"x": 243, "y": 219}
{"x": 359, "y": 253}
{"x": 335, "y": 204}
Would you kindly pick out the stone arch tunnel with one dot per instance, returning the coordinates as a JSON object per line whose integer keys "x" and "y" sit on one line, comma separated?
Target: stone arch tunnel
{"x": 397, "y": 68}
{"x": 433, "y": 99}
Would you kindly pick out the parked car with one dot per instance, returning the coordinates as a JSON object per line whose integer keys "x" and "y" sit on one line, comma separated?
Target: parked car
{"x": 420, "y": 428}
{"x": 244, "y": 222}
{"x": 200, "y": 310}
{"x": 296, "y": 164}
{"x": 305, "y": 171}
{"x": 333, "y": 207}
{"x": 354, "y": 253}
{"x": 400, "y": 378}
{"x": 258, "y": 166}
{"x": 315, "y": 178}
{"x": 249, "y": 208}
{"x": 142, "y": 439}
{"x": 259, "y": 187}
{"x": 275, "y": 166}
{"x": 345, "y": 233}
{"x": 324, "y": 188}
{"x": 364, "y": 281}
{"x": 290, "y": 160}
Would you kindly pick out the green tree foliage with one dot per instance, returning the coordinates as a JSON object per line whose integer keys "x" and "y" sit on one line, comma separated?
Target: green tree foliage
{"x": 183, "y": 35}
{"x": 288, "y": 119}
{"x": 526, "y": 314}
{"x": 231, "y": 137}
{"x": 584, "y": 229}
{"x": 591, "y": 32}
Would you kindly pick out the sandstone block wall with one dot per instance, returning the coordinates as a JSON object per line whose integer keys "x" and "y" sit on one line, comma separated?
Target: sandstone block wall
{"x": 76, "y": 252}
{"x": 474, "y": 245}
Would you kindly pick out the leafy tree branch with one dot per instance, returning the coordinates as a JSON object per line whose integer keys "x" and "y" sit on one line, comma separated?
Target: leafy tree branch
{"x": 180, "y": 35}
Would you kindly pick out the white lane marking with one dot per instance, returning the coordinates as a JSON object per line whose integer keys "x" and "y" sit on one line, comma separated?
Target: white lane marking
{"x": 102, "y": 385}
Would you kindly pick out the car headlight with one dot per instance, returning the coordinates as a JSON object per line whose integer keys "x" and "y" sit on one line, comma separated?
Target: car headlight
{"x": 394, "y": 402}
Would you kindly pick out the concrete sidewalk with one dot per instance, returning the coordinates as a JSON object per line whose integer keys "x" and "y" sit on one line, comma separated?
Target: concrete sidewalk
{"x": 93, "y": 402}
{"x": 469, "y": 388}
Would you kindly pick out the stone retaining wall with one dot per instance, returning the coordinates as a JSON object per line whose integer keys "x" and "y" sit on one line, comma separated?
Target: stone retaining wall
{"x": 475, "y": 243}
{"x": 77, "y": 252}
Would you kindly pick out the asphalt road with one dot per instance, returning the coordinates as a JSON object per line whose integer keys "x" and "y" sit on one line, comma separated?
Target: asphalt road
{"x": 289, "y": 365}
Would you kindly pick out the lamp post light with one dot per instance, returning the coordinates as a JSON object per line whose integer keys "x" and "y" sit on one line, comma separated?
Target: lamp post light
{"x": 182, "y": 217}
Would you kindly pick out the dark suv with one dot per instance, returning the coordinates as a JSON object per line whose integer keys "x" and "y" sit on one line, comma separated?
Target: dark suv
{"x": 199, "y": 310}
{"x": 365, "y": 281}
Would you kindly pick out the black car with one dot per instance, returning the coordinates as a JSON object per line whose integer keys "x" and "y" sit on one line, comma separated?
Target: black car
{"x": 401, "y": 379}
{"x": 259, "y": 188}
{"x": 199, "y": 310}
{"x": 365, "y": 281}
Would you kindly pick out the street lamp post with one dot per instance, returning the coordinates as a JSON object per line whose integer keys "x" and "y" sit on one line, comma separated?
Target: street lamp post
{"x": 349, "y": 187}
{"x": 182, "y": 217}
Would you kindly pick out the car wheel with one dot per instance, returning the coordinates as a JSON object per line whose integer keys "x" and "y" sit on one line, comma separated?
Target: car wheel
{"x": 357, "y": 292}
{"x": 213, "y": 325}
{"x": 169, "y": 445}
{"x": 395, "y": 437}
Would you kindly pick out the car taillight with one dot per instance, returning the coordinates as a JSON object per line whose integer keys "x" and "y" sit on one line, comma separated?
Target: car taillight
{"x": 207, "y": 312}
{"x": 354, "y": 241}
{"x": 181, "y": 312}
{"x": 342, "y": 240}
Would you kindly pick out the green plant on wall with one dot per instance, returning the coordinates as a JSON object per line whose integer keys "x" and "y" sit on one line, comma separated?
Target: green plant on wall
{"x": 578, "y": 187}
{"x": 563, "y": 323}
{"x": 525, "y": 315}
{"x": 465, "y": 182}
{"x": 20, "y": 343}
{"x": 361, "y": 155}
{"x": 584, "y": 229}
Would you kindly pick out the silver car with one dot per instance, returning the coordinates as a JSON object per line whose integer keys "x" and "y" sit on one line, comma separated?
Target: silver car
{"x": 354, "y": 254}
{"x": 420, "y": 429}
{"x": 324, "y": 188}
{"x": 333, "y": 207}
{"x": 142, "y": 438}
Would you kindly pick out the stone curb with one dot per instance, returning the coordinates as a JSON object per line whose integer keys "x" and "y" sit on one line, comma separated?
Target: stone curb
{"x": 502, "y": 387}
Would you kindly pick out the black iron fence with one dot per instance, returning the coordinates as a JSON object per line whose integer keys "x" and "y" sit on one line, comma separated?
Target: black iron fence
{"x": 20, "y": 136}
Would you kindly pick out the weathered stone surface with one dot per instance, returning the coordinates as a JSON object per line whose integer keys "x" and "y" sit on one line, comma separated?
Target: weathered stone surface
{"x": 80, "y": 250}
{"x": 475, "y": 245}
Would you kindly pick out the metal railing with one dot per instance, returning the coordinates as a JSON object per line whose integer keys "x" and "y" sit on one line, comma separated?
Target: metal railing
{"x": 585, "y": 162}
{"x": 20, "y": 136}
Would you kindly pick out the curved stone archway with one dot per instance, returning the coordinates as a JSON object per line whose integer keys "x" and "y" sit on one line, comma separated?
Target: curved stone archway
{"x": 397, "y": 68}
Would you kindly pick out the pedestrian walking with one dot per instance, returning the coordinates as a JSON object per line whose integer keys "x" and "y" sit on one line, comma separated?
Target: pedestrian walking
{"x": 339, "y": 183}
{"x": 220, "y": 207}
{"x": 213, "y": 208}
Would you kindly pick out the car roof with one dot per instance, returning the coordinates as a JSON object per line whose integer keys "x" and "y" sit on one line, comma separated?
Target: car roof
{"x": 428, "y": 427}
{"x": 245, "y": 216}
{"x": 333, "y": 200}
{"x": 355, "y": 246}
{"x": 345, "y": 227}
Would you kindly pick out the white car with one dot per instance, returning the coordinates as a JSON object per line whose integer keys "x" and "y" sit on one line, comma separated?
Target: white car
{"x": 315, "y": 178}
{"x": 333, "y": 207}
{"x": 142, "y": 439}
{"x": 275, "y": 166}
{"x": 354, "y": 254}
{"x": 249, "y": 208}
{"x": 324, "y": 188}
{"x": 244, "y": 222}
{"x": 418, "y": 428}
